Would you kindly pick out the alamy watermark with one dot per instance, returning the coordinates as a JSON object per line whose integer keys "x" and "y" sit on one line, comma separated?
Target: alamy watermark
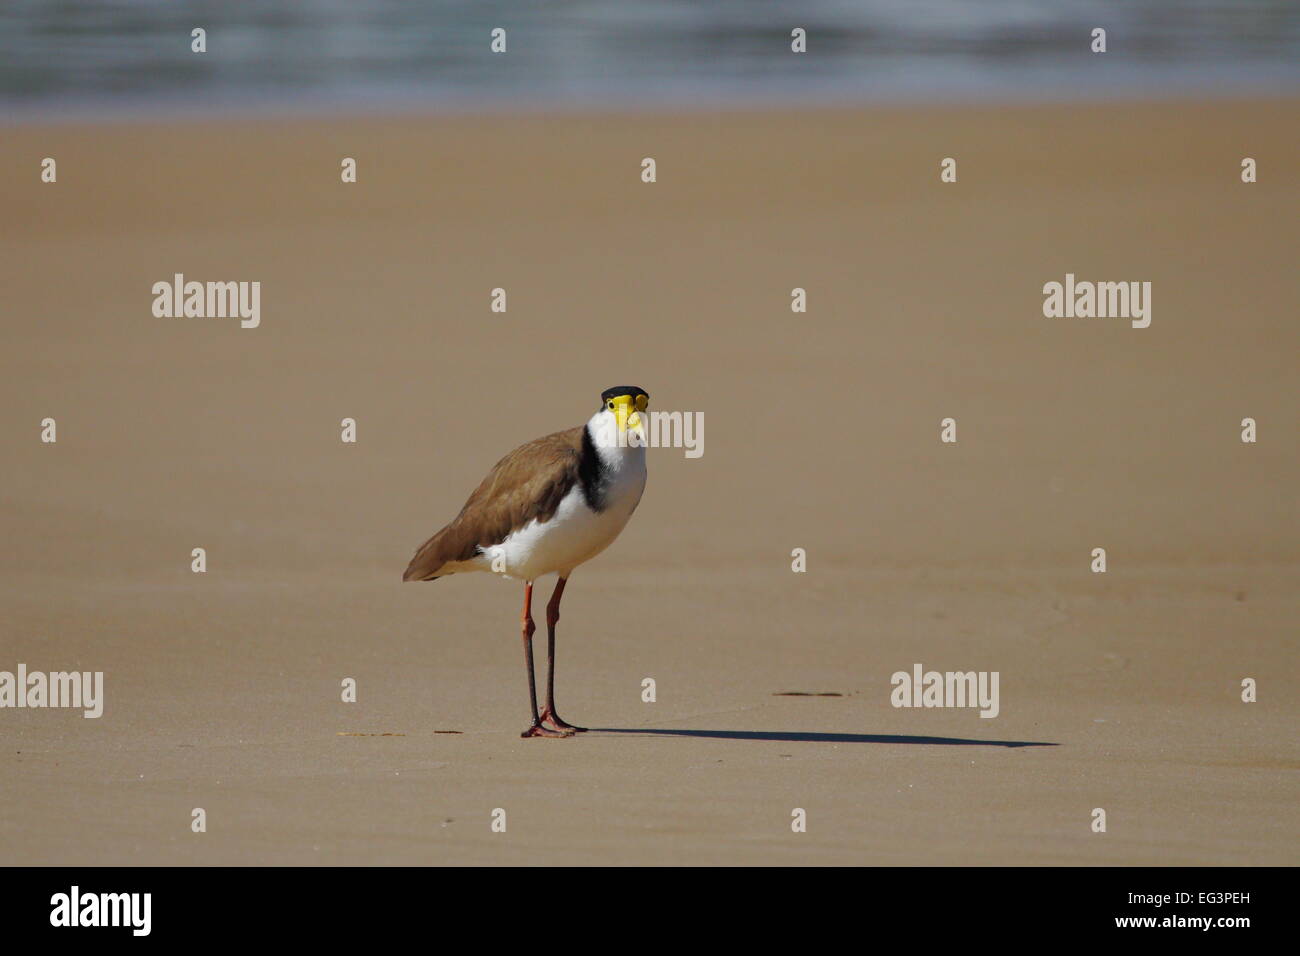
{"x": 923, "y": 688}
{"x": 76, "y": 908}
{"x": 82, "y": 690}
{"x": 208, "y": 300}
{"x": 1102, "y": 300}
{"x": 657, "y": 430}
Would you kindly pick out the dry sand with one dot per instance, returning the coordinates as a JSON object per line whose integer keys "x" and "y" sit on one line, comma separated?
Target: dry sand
{"x": 223, "y": 689}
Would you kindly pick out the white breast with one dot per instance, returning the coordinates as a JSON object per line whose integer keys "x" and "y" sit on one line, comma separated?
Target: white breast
{"x": 575, "y": 533}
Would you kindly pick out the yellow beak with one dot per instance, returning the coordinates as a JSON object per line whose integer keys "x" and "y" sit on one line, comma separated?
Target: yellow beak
{"x": 626, "y": 413}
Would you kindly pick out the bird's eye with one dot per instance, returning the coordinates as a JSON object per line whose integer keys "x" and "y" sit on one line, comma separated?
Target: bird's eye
{"x": 611, "y": 406}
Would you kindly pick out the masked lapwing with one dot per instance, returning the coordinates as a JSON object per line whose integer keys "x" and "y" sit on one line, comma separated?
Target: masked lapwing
{"x": 545, "y": 508}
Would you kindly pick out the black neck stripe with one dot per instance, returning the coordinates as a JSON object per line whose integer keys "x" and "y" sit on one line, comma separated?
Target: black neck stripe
{"x": 592, "y": 473}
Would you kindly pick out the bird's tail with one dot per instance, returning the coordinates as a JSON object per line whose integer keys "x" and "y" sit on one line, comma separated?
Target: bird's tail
{"x": 428, "y": 561}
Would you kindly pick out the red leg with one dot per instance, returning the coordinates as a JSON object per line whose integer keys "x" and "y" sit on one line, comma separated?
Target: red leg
{"x": 553, "y": 617}
{"x": 535, "y": 729}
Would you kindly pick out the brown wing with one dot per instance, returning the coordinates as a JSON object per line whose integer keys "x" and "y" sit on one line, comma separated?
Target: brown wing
{"x": 528, "y": 483}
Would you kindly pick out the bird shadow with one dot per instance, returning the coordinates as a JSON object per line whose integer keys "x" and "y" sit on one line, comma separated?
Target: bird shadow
{"x": 821, "y": 738}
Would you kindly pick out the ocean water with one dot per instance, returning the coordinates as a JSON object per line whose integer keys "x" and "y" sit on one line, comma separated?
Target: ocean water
{"x": 118, "y": 55}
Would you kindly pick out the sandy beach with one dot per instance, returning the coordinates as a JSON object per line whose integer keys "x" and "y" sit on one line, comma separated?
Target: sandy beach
{"x": 1119, "y": 691}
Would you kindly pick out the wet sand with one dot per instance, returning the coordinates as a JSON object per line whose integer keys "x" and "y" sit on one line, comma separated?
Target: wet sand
{"x": 1118, "y": 690}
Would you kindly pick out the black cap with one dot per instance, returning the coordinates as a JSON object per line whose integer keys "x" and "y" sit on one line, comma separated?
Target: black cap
{"x": 618, "y": 390}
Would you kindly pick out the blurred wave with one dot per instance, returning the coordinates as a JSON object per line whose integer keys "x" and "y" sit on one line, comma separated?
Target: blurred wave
{"x": 101, "y": 53}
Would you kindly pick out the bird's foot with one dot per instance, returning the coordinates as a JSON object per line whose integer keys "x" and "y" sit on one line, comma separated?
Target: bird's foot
{"x": 559, "y": 722}
{"x": 537, "y": 730}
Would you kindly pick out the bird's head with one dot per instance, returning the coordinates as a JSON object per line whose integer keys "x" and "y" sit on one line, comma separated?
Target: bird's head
{"x": 623, "y": 406}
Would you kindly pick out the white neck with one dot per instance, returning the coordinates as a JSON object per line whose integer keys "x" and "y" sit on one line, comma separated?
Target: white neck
{"x": 617, "y": 451}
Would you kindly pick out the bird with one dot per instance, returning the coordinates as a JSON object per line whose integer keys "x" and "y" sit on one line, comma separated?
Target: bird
{"x": 548, "y": 506}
